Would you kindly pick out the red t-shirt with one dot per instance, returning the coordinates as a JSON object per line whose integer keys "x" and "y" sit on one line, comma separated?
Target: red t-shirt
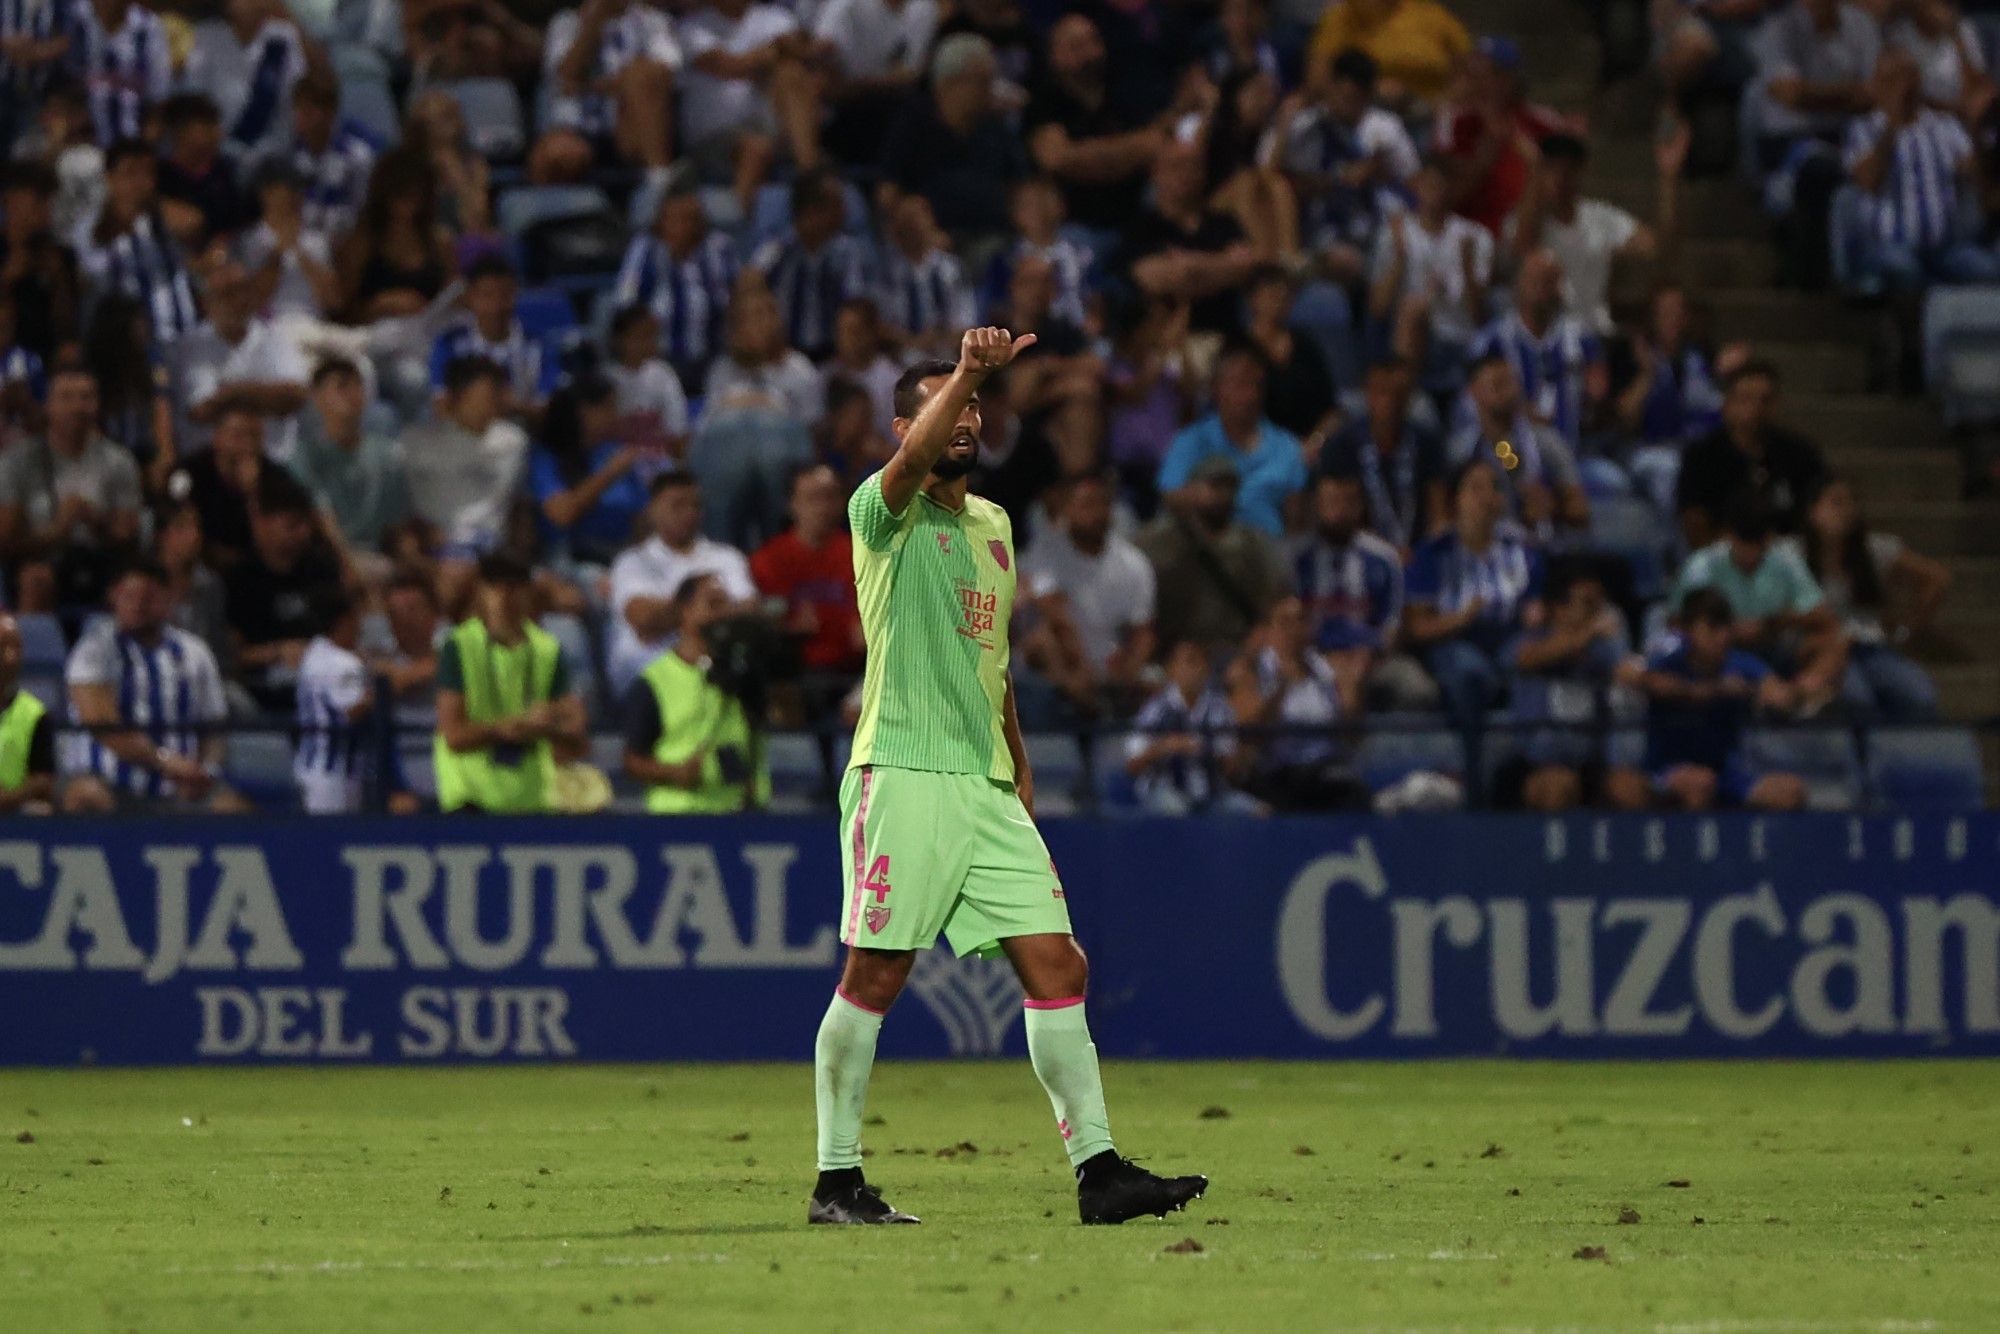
{"x": 818, "y": 581}
{"x": 1493, "y": 199}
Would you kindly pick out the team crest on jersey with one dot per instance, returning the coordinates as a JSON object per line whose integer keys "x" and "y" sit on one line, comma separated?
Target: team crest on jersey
{"x": 877, "y": 918}
{"x": 944, "y": 544}
{"x": 999, "y": 550}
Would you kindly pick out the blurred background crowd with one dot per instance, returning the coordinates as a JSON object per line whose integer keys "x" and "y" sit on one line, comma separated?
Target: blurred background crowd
{"x": 485, "y": 367}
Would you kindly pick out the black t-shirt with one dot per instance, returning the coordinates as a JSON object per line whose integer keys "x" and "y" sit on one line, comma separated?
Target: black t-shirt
{"x": 1714, "y": 473}
{"x": 225, "y": 208}
{"x": 1300, "y": 392}
{"x": 224, "y": 511}
{"x": 1111, "y": 205}
{"x": 266, "y": 606}
{"x": 42, "y": 293}
{"x": 1216, "y": 232}
{"x": 966, "y": 178}
{"x": 1395, "y": 487}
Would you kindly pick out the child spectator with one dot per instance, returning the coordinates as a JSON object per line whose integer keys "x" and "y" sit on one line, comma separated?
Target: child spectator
{"x": 1035, "y": 207}
{"x": 1429, "y": 278}
{"x": 1282, "y": 685}
{"x": 1565, "y": 669}
{"x": 811, "y": 567}
{"x": 335, "y": 697}
{"x": 1858, "y": 569}
{"x": 290, "y": 264}
{"x": 652, "y": 406}
{"x": 1183, "y": 742}
{"x": 492, "y": 331}
{"x": 333, "y": 159}
{"x": 587, "y": 493}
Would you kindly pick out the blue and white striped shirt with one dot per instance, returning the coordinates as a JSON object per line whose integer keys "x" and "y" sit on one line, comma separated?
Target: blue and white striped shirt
{"x": 925, "y": 295}
{"x": 338, "y": 179}
{"x": 639, "y": 33}
{"x": 1553, "y": 368}
{"x": 1317, "y": 146}
{"x": 1353, "y": 593}
{"x": 810, "y": 287}
{"x": 166, "y": 691}
{"x": 1166, "y": 713}
{"x": 531, "y": 371}
{"x": 276, "y": 58}
{"x": 1503, "y": 579}
{"x": 1070, "y": 262}
{"x": 331, "y": 682}
{"x": 689, "y": 297}
{"x": 123, "y": 72}
{"x": 34, "y": 20}
{"x": 144, "y": 263}
{"x": 1917, "y": 203}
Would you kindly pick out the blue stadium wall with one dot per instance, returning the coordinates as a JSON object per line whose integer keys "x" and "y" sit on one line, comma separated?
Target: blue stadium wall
{"x": 614, "y": 938}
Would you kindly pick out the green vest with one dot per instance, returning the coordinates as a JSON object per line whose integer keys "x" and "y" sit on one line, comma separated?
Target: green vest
{"x": 693, "y": 714}
{"x": 17, "y": 734}
{"x": 499, "y": 682}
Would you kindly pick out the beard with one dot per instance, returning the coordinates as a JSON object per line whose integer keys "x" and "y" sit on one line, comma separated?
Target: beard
{"x": 950, "y": 467}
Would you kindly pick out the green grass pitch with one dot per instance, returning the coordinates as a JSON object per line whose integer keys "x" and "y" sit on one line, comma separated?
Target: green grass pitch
{"x": 1712, "y": 1197}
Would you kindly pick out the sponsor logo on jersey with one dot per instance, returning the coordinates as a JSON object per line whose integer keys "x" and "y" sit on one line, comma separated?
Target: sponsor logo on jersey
{"x": 978, "y": 612}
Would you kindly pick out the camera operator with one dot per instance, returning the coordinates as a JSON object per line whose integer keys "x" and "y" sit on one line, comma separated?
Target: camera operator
{"x": 686, "y": 738}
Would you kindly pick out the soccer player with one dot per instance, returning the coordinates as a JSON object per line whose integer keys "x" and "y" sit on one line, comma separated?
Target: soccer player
{"x": 937, "y": 808}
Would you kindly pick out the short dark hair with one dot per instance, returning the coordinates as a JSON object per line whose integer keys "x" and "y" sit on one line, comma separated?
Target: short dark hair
{"x": 691, "y": 584}
{"x": 142, "y": 567}
{"x": 1462, "y": 474}
{"x": 488, "y": 265}
{"x": 908, "y": 397}
{"x": 461, "y": 373}
{"x": 236, "y": 410}
{"x": 498, "y": 567}
{"x": 410, "y": 582}
{"x": 1756, "y": 368}
{"x": 1706, "y": 606}
{"x": 1482, "y": 363}
{"x": 1353, "y": 65}
{"x": 329, "y": 367}
{"x": 124, "y": 149}
{"x": 278, "y": 493}
{"x": 627, "y": 316}
{"x": 1750, "y": 518}
{"x": 331, "y": 605}
{"x": 1389, "y": 365}
{"x": 1565, "y": 148}
{"x": 668, "y": 481}
{"x": 184, "y": 109}
{"x": 317, "y": 87}
{"x": 815, "y": 187}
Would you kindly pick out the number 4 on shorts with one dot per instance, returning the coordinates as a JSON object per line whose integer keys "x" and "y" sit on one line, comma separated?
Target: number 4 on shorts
{"x": 876, "y": 882}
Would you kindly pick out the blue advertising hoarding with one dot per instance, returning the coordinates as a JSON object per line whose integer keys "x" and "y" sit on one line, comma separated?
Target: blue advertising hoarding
{"x": 617, "y": 938}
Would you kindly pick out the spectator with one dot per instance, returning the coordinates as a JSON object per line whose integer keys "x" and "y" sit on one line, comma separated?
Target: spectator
{"x": 859, "y": 357}
{"x": 1493, "y": 132}
{"x": 583, "y": 479}
{"x": 1950, "y": 54}
{"x": 609, "y": 67}
{"x": 1180, "y": 248}
{"x": 1559, "y": 361}
{"x": 1216, "y": 576}
{"x": 760, "y": 371}
{"x": 1401, "y": 464}
{"x": 1472, "y": 590}
{"x": 1858, "y": 569}
{"x": 682, "y": 272}
{"x": 1587, "y": 236}
{"x": 404, "y": 652}
{"x": 1268, "y": 460}
{"x": 811, "y": 566}
{"x": 506, "y": 698}
{"x": 1671, "y": 393}
{"x": 1244, "y": 184}
{"x": 1002, "y": 24}
{"x": 147, "y": 688}
{"x": 119, "y": 52}
{"x": 1780, "y": 613}
{"x": 1350, "y": 582}
{"x": 69, "y": 502}
{"x": 1035, "y": 209}
{"x": 354, "y": 472}
{"x": 1299, "y": 388}
{"x": 645, "y": 577}
{"x": 1814, "y": 62}
{"x": 254, "y": 82}
{"x": 849, "y": 438}
{"x": 129, "y": 250}
{"x": 435, "y": 130}
{"x": 1707, "y": 46}
{"x": 1535, "y": 468}
{"x": 223, "y": 480}
{"x": 1101, "y": 581}
{"x": 1242, "y": 42}
{"x": 35, "y": 42}
{"x": 924, "y": 289}
{"x": 816, "y": 267}
{"x": 398, "y": 256}
{"x": 1565, "y": 669}
{"x": 1280, "y": 683}
{"x": 876, "y": 51}
{"x": 196, "y": 600}
{"x": 1183, "y": 743}
{"x": 38, "y": 269}
{"x": 747, "y": 80}
{"x": 64, "y": 140}
{"x": 652, "y": 407}
{"x": 291, "y": 265}
{"x": 1348, "y": 160}
{"x": 1058, "y": 380}
{"x": 1746, "y": 453}
{"x": 236, "y": 360}
{"x": 23, "y": 379}
{"x": 954, "y": 147}
{"x": 1417, "y": 43}
{"x": 1429, "y": 279}
{"x": 687, "y": 739}
{"x": 274, "y": 592}
{"x": 27, "y": 737}
{"x": 1097, "y": 147}
{"x": 1700, "y": 693}
{"x": 465, "y": 464}
{"x": 1148, "y": 393}
{"x": 335, "y": 698}
{"x": 199, "y": 197}
{"x": 333, "y": 159}
{"x": 492, "y": 332}
{"x": 135, "y": 406}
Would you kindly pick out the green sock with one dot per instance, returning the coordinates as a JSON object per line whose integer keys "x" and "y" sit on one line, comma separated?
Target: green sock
{"x": 1065, "y": 1060}
{"x": 842, "y": 1059}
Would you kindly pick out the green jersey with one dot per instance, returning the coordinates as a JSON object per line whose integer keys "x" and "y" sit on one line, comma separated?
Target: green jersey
{"x": 936, "y": 588}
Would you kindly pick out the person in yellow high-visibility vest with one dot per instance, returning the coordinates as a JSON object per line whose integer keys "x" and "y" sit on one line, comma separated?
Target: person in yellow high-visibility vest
{"x": 686, "y": 739}
{"x": 505, "y": 700}
{"x": 27, "y": 736}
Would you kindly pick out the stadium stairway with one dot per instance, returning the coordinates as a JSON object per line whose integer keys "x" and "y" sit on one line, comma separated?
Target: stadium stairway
{"x": 1906, "y": 466}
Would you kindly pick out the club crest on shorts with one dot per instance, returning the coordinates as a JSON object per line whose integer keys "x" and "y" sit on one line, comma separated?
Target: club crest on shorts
{"x": 877, "y": 917}
{"x": 999, "y": 550}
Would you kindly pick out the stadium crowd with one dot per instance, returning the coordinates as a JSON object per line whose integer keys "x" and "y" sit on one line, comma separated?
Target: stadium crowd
{"x": 509, "y": 355}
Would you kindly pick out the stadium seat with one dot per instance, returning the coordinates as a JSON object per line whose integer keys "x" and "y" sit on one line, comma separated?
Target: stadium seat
{"x": 42, "y": 643}
{"x": 1625, "y": 748}
{"x": 493, "y": 120}
{"x": 259, "y": 765}
{"x": 1925, "y": 769}
{"x": 1629, "y": 527}
{"x": 1962, "y": 351}
{"x": 1823, "y": 756}
{"x": 798, "y": 774}
{"x": 1057, "y": 762}
{"x": 544, "y": 311}
{"x": 1390, "y": 753}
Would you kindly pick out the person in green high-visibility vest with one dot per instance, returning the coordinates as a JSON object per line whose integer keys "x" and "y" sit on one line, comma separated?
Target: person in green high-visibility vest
{"x": 686, "y": 739}
{"x": 27, "y": 736}
{"x": 505, "y": 701}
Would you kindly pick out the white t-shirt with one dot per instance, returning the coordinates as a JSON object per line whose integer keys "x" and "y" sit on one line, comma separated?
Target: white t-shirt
{"x": 207, "y": 363}
{"x": 1435, "y": 262}
{"x": 327, "y": 763}
{"x": 654, "y": 570}
{"x": 463, "y": 484}
{"x": 294, "y": 294}
{"x": 874, "y": 38}
{"x": 651, "y": 402}
{"x": 712, "y": 105}
{"x": 1946, "y": 61}
{"x": 1586, "y": 245}
{"x": 1108, "y": 593}
{"x": 789, "y": 387}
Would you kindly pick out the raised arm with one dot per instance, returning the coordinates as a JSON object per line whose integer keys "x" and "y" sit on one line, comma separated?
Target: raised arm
{"x": 980, "y": 352}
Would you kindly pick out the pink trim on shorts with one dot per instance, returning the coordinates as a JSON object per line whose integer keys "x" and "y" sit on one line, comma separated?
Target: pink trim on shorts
{"x": 866, "y": 1009}
{"x": 1062, "y": 1004}
{"x": 860, "y": 857}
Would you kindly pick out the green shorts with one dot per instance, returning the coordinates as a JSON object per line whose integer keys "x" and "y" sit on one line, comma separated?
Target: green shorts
{"x": 924, "y": 853}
